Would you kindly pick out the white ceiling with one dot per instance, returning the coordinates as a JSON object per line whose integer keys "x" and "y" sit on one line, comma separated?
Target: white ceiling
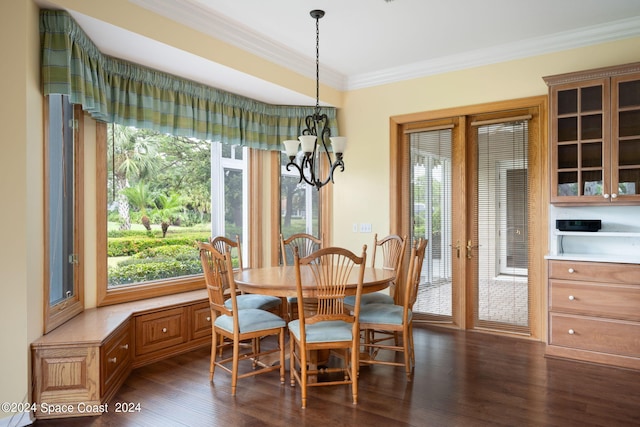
{"x": 368, "y": 42}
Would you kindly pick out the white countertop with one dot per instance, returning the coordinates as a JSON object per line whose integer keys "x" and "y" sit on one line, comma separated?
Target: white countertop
{"x": 623, "y": 259}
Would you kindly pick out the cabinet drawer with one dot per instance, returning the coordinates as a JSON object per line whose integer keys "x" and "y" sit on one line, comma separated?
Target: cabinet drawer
{"x": 159, "y": 330}
{"x": 615, "y": 301}
{"x": 201, "y": 320}
{"x": 115, "y": 357}
{"x": 595, "y": 272}
{"x": 600, "y": 335}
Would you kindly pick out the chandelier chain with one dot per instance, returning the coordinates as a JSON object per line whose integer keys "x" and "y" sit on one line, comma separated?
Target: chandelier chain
{"x": 317, "y": 65}
{"x": 318, "y": 133}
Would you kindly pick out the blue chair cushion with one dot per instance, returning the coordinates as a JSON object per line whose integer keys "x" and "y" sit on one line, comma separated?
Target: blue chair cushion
{"x": 371, "y": 298}
{"x": 388, "y": 314}
{"x": 250, "y": 320}
{"x": 327, "y": 331}
{"x": 262, "y": 302}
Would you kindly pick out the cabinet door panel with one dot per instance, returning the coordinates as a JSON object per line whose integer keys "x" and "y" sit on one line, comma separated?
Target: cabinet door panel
{"x": 201, "y": 318}
{"x": 160, "y": 330}
{"x": 604, "y": 300}
{"x": 601, "y": 335}
{"x": 602, "y": 272}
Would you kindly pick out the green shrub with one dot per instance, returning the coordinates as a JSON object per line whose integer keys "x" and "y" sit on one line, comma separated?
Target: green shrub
{"x": 178, "y": 252}
{"x": 127, "y": 246}
{"x": 142, "y": 271}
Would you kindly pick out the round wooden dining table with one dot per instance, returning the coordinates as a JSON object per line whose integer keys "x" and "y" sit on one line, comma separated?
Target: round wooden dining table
{"x": 281, "y": 281}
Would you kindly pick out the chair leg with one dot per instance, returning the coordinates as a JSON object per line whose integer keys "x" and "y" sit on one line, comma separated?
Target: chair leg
{"x": 292, "y": 362}
{"x": 282, "y": 350}
{"x": 355, "y": 363}
{"x": 303, "y": 377}
{"x": 406, "y": 343}
{"x": 214, "y": 350}
{"x": 234, "y": 366}
{"x": 413, "y": 355}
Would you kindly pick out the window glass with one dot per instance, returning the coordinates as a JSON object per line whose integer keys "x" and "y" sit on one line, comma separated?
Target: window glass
{"x": 63, "y": 201}
{"x": 162, "y": 192}
{"x": 299, "y": 203}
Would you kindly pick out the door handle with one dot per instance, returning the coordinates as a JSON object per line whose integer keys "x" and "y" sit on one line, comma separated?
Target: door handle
{"x": 470, "y": 248}
{"x": 457, "y": 248}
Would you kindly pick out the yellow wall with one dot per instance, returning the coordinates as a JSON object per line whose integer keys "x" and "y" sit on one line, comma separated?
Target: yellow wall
{"x": 361, "y": 193}
{"x": 21, "y": 253}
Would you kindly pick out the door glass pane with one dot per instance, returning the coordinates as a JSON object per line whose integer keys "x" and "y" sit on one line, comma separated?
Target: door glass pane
{"x": 568, "y": 129}
{"x": 431, "y": 218}
{"x": 501, "y": 243}
{"x": 629, "y": 94}
{"x": 592, "y": 155}
{"x": 629, "y": 181}
{"x": 629, "y": 152}
{"x": 592, "y": 183}
{"x": 567, "y": 101}
{"x": 516, "y": 254}
{"x": 568, "y": 156}
{"x": 591, "y": 127}
{"x": 591, "y": 98}
{"x": 568, "y": 184}
{"x": 629, "y": 123}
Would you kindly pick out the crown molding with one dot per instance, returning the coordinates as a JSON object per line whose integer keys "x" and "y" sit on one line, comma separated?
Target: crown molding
{"x": 204, "y": 20}
{"x": 612, "y": 31}
{"x": 236, "y": 34}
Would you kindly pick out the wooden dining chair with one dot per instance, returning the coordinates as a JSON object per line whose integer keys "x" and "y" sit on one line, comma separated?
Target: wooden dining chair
{"x": 235, "y": 325}
{"x": 330, "y": 328}
{"x": 392, "y": 248}
{"x": 224, "y": 244}
{"x": 394, "y": 318}
{"x": 306, "y": 244}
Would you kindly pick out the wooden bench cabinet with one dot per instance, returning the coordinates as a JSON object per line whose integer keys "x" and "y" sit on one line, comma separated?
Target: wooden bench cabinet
{"x": 79, "y": 366}
{"x": 594, "y": 312}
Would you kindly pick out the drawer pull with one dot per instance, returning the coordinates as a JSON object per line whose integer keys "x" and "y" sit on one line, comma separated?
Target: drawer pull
{"x": 113, "y": 360}
{"x": 571, "y": 297}
{"x": 125, "y": 347}
{"x": 209, "y": 319}
{"x": 605, "y": 195}
{"x": 164, "y": 330}
{"x": 571, "y": 270}
{"x": 571, "y": 332}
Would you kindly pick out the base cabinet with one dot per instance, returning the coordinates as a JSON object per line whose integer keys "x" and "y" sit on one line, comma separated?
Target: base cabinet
{"x": 78, "y": 367}
{"x": 66, "y": 381}
{"x": 594, "y": 312}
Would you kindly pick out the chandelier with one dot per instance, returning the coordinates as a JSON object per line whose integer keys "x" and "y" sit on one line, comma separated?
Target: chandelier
{"x": 315, "y": 138}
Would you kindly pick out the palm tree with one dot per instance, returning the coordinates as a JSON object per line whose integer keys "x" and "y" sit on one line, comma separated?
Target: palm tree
{"x": 141, "y": 198}
{"x": 132, "y": 156}
{"x": 168, "y": 209}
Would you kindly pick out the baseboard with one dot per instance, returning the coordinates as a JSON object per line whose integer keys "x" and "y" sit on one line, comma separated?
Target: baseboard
{"x": 19, "y": 419}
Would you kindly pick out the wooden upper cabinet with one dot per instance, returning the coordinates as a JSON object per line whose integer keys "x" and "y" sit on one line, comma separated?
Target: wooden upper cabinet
{"x": 595, "y": 136}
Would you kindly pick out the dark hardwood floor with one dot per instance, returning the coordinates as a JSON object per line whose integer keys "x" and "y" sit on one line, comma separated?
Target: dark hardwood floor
{"x": 461, "y": 379}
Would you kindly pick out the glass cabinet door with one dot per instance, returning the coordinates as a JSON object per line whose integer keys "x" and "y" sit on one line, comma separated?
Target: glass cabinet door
{"x": 580, "y": 151}
{"x": 625, "y": 155}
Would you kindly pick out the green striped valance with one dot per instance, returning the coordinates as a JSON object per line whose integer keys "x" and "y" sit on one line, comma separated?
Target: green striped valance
{"x": 113, "y": 90}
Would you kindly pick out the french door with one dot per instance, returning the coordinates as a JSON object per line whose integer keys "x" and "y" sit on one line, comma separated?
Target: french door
{"x": 467, "y": 186}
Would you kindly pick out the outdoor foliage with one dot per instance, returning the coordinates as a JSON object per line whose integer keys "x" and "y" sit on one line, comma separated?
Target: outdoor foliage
{"x": 163, "y": 183}
{"x": 145, "y": 256}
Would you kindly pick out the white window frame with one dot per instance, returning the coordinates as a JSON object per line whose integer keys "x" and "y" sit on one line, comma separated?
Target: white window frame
{"x": 218, "y": 165}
